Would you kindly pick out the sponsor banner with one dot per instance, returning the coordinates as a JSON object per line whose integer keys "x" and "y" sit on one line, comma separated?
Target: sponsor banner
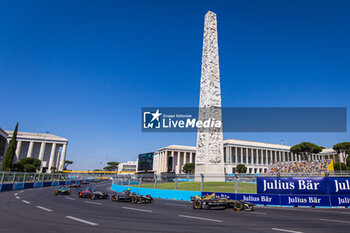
{"x": 340, "y": 200}
{"x": 260, "y": 199}
{"x": 28, "y": 185}
{"x": 46, "y": 184}
{"x": 303, "y": 185}
{"x": 38, "y": 184}
{"x": 18, "y": 186}
{"x": 338, "y": 185}
{"x": 305, "y": 200}
{"x": 55, "y": 183}
{"x": 7, "y": 187}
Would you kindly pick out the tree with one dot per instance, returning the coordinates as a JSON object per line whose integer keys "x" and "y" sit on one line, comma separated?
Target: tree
{"x": 113, "y": 166}
{"x": 27, "y": 165}
{"x": 66, "y": 163}
{"x": 339, "y": 166}
{"x": 342, "y": 148}
{"x": 241, "y": 168}
{"x": 53, "y": 169}
{"x": 97, "y": 170}
{"x": 11, "y": 150}
{"x": 306, "y": 149}
{"x": 348, "y": 159}
{"x": 188, "y": 168}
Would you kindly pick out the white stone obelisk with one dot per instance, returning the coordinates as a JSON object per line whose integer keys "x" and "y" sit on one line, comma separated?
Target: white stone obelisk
{"x": 210, "y": 150}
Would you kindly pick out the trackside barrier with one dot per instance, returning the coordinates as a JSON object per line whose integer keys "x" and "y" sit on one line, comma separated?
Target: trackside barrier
{"x": 27, "y": 185}
{"x": 159, "y": 193}
{"x": 289, "y": 200}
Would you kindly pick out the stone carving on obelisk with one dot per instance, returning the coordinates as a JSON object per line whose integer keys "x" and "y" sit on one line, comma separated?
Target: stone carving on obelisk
{"x": 210, "y": 150}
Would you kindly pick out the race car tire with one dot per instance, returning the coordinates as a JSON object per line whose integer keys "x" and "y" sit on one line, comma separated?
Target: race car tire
{"x": 238, "y": 206}
{"x": 197, "y": 205}
{"x": 134, "y": 199}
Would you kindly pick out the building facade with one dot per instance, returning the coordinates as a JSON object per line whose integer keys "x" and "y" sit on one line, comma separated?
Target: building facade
{"x": 3, "y": 144}
{"x": 256, "y": 156}
{"x": 130, "y": 166}
{"x": 48, "y": 148}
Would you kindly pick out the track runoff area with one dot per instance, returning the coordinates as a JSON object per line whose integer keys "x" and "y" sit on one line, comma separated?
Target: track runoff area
{"x": 39, "y": 210}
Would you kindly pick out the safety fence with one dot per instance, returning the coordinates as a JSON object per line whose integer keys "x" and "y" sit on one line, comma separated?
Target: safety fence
{"x": 13, "y": 180}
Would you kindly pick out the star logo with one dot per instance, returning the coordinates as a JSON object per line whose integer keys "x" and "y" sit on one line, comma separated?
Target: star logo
{"x": 156, "y": 115}
{"x": 151, "y": 120}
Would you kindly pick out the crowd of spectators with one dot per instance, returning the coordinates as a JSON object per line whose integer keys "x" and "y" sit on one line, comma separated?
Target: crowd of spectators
{"x": 303, "y": 167}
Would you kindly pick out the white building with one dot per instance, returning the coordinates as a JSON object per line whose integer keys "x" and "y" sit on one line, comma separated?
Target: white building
{"x": 48, "y": 148}
{"x": 3, "y": 143}
{"x": 130, "y": 166}
{"x": 256, "y": 156}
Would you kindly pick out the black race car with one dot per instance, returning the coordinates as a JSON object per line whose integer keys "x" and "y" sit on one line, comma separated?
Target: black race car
{"x": 84, "y": 182}
{"x": 74, "y": 185}
{"x": 213, "y": 202}
{"x": 132, "y": 197}
{"x": 91, "y": 193}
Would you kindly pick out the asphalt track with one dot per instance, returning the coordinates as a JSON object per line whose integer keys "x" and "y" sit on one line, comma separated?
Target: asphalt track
{"x": 38, "y": 210}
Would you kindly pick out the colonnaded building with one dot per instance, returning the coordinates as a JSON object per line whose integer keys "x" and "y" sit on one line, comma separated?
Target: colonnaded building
{"x": 48, "y": 148}
{"x": 256, "y": 156}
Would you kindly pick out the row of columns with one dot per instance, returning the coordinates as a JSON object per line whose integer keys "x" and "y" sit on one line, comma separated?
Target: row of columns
{"x": 262, "y": 157}
{"x": 270, "y": 156}
{"x": 178, "y": 156}
{"x": 62, "y": 158}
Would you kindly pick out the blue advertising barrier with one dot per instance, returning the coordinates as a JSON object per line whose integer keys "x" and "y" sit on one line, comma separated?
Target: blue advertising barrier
{"x": 289, "y": 200}
{"x": 18, "y": 186}
{"x": 159, "y": 193}
{"x": 28, "y": 185}
{"x": 38, "y": 184}
{"x": 303, "y": 185}
{"x": 7, "y": 187}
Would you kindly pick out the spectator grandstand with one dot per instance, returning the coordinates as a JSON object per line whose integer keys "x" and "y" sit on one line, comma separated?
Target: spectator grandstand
{"x": 301, "y": 167}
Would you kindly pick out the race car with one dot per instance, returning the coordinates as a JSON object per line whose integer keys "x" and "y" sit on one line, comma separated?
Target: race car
{"x": 84, "y": 182}
{"x": 74, "y": 185}
{"x": 132, "y": 197}
{"x": 91, "y": 193}
{"x": 212, "y": 201}
{"x": 62, "y": 191}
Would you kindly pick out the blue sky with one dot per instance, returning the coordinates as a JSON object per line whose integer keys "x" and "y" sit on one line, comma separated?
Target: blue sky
{"x": 84, "y": 69}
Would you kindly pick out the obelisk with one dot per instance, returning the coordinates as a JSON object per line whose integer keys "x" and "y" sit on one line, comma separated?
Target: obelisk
{"x": 210, "y": 150}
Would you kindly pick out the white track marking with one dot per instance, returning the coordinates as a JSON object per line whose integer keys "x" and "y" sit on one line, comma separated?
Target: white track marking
{"x": 175, "y": 204}
{"x": 18, "y": 197}
{"x": 70, "y": 198}
{"x": 82, "y": 220}
{"x": 95, "y": 203}
{"x": 253, "y": 212}
{"x": 199, "y": 218}
{"x": 43, "y": 208}
{"x": 15, "y": 194}
{"x": 308, "y": 209}
{"x": 284, "y": 230}
{"x": 334, "y": 220}
{"x": 21, "y": 191}
{"x": 24, "y": 201}
{"x": 143, "y": 210}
